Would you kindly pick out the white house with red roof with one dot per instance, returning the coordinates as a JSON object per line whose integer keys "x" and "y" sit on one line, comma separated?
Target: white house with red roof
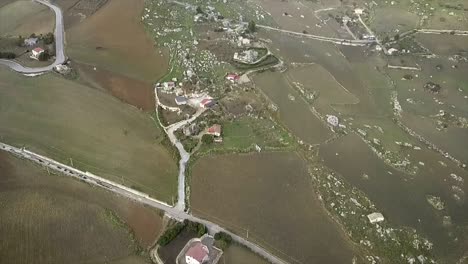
{"x": 214, "y": 130}
{"x": 36, "y": 53}
{"x": 232, "y": 77}
{"x": 197, "y": 254}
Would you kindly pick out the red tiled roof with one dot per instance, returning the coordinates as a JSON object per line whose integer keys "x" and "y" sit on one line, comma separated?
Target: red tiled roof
{"x": 205, "y": 101}
{"x": 38, "y": 49}
{"x": 215, "y": 129}
{"x": 198, "y": 252}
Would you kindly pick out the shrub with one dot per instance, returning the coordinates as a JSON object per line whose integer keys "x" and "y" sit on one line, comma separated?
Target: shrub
{"x": 223, "y": 240}
{"x": 207, "y": 139}
{"x": 170, "y": 234}
{"x": 7, "y": 55}
{"x": 252, "y": 26}
{"x": 49, "y": 38}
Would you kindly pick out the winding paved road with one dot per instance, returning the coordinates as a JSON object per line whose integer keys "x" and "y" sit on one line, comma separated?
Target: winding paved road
{"x": 141, "y": 197}
{"x": 59, "y": 46}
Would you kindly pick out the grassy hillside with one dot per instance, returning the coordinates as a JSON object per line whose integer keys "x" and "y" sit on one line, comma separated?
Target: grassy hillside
{"x": 24, "y": 18}
{"x": 73, "y": 123}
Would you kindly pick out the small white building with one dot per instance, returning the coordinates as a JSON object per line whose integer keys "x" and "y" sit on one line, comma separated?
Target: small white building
{"x": 36, "y": 53}
{"x": 375, "y": 218}
{"x": 181, "y": 100}
{"x": 358, "y": 11}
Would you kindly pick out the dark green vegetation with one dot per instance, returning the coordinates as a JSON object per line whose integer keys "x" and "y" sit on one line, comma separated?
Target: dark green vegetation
{"x": 176, "y": 228}
{"x": 54, "y": 219}
{"x": 7, "y": 55}
{"x": 222, "y": 240}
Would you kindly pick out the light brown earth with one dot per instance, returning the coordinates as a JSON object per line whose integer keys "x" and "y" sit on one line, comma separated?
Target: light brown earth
{"x": 274, "y": 203}
{"x": 114, "y": 38}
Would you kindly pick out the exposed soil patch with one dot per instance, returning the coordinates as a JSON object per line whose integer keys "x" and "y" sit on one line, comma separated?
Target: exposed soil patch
{"x": 115, "y": 39}
{"x": 132, "y": 91}
{"x": 274, "y": 202}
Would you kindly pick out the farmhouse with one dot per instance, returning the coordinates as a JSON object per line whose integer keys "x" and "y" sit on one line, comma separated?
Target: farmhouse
{"x": 197, "y": 254}
{"x": 214, "y": 130}
{"x": 36, "y": 53}
{"x": 199, "y": 251}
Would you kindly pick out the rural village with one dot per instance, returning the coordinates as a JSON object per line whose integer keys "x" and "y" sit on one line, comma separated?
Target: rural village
{"x": 240, "y": 131}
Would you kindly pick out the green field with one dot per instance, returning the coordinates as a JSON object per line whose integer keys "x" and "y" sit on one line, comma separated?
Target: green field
{"x": 75, "y": 124}
{"x": 53, "y": 219}
{"x": 243, "y": 134}
{"x": 24, "y": 18}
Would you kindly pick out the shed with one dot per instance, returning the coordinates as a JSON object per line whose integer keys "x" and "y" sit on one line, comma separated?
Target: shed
{"x": 180, "y": 100}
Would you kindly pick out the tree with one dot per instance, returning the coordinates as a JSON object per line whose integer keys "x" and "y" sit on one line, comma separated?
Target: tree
{"x": 396, "y": 37}
{"x": 207, "y": 139}
{"x": 49, "y": 38}
{"x": 386, "y": 39}
{"x": 199, "y": 10}
{"x": 252, "y": 26}
{"x": 44, "y": 56}
{"x": 20, "y": 40}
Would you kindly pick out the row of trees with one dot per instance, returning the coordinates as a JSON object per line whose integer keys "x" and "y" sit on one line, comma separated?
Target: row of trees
{"x": 48, "y": 38}
{"x": 7, "y": 55}
{"x": 172, "y": 232}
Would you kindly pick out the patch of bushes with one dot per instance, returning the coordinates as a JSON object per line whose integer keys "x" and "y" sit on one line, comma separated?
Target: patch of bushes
{"x": 170, "y": 234}
{"x": 222, "y": 240}
{"x": 207, "y": 139}
{"x": 7, "y": 55}
{"x": 195, "y": 227}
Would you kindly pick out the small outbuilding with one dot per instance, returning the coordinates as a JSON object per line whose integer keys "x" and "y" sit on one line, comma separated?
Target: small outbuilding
{"x": 207, "y": 103}
{"x": 375, "y": 218}
{"x": 181, "y": 100}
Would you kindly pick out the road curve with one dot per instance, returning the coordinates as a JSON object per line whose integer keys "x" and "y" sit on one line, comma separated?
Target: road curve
{"x": 135, "y": 195}
{"x": 59, "y": 46}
